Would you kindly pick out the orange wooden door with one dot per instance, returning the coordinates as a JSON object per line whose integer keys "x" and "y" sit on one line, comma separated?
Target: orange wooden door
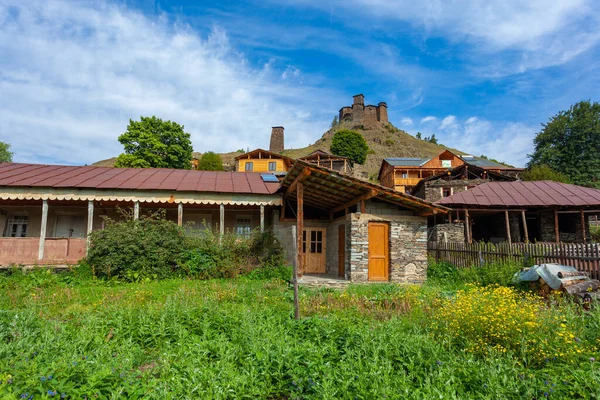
{"x": 314, "y": 251}
{"x": 342, "y": 250}
{"x": 379, "y": 260}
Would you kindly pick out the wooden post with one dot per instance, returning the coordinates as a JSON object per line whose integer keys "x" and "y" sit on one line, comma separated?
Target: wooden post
{"x": 222, "y": 219}
{"x": 583, "y": 226}
{"x": 468, "y": 226}
{"x": 363, "y": 207}
{"x": 525, "y": 226}
{"x": 507, "y": 220}
{"x": 43, "y": 229}
{"x": 90, "y": 224}
{"x": 300, "y": 226}
{"x": 262, "y": 218}
{"x": 295, "y": 277}
{"x": 136, "y": 210}
{"x": 556, "y": 231}
{"x": 180, "y": 214}
{"x": 282, "y": 213}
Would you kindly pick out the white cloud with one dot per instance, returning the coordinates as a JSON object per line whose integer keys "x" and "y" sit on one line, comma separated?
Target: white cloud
{"x": 448, "y": 122}
{"x": 471, "y": 120}
{"x": 428, "y": 119}
{"x": 74, "y": 73}
{"x": 407, "y": 121}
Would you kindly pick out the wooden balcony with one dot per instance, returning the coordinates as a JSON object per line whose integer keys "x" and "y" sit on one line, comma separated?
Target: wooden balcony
{"x": 407, "y": 181}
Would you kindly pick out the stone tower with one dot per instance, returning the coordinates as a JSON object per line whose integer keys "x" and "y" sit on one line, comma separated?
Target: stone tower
{"x": 369, "y": 116}
{"x": 276, "y": 145}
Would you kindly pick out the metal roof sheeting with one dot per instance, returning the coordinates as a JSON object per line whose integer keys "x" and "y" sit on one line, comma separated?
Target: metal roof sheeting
{"x": 524, "y": 194}
{"x": 406, "y": 162}
{"x": 106, "y": 178}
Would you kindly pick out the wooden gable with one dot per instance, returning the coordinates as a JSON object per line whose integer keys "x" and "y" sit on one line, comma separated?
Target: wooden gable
{"x": 446, "y": 159}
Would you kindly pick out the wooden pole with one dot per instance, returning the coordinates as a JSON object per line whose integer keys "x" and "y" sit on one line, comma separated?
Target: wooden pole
{"x": 222, "y": 219}
{"x": 262, "y": 218}
{"x": 556, "y": 231}
{"x": 363, "y": 207}
{"x": 180, "y": 214}
{"x": 525, "y": 226}
{"x": 468, "y": 226}
{"x": 507, "y": 220}
{"x": 295, "y": 277}
{"x": 300, "y": 226}
{"x": 583, "y": 226}
{"x": 43, "y": 229}
{"x": 136, "y": 210}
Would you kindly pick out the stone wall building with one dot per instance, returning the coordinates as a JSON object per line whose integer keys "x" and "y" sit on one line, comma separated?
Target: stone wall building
{"x": 365, "y": 116}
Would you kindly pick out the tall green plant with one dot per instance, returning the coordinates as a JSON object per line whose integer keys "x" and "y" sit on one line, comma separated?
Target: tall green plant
{"x": 350, "y": 144}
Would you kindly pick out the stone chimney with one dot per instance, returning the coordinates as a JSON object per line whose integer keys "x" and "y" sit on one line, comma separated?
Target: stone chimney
{"x": 276, "y": 145}
{"x": 359, "y": 99}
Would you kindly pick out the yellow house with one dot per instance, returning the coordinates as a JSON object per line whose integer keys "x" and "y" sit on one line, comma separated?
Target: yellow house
{"x": 260, "y": 160}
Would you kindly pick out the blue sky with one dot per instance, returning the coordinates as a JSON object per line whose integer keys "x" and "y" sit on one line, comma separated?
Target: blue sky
{"x": 481, "y": 75}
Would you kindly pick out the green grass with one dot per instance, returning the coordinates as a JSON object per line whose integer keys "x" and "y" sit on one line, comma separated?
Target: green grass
{"x": 230, "y": 339}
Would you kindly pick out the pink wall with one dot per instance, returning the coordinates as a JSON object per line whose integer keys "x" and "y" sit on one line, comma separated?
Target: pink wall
{"x": 25, "y": 251}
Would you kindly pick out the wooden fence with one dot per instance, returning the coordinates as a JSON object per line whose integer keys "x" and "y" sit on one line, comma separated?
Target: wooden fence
{"x": 584, "y": 257}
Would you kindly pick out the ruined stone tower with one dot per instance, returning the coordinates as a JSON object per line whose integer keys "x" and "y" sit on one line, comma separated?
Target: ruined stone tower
{"x": 368, "y": 116}
{"x": 276, "y": 145}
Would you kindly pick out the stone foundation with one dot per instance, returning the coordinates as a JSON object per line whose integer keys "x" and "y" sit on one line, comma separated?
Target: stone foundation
{"x": 452, "y": 232}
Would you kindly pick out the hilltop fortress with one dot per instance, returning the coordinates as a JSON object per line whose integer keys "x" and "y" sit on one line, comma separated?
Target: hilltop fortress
{"x": 368, "y": 116}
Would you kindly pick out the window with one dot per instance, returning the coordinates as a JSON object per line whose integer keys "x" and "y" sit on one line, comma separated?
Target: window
{"x": 316, "y": 242}
{"x": 568, "y": 223}
{"x": 446, "y": 163}
{"x": 243, "y": 225}
{"x": 197, "y": 222}
{"x": 404, "y": 175}
{"x": 69, "y": 226}
{"x": 17, "y": 226}
{"x": 249, "y": 166}
{"x": 272, "y": 166}
{"x": 446, "y": 192}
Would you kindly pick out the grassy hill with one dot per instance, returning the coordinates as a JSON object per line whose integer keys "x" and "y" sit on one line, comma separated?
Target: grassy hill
{"x": 384, "y": 141}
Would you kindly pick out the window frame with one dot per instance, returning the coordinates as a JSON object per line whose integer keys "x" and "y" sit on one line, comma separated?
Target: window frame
{"x": 10, "y": 222}
{"x": 249, "y": 166}
{"x": 247, "y": 229}
{"x": 274, "y": 164}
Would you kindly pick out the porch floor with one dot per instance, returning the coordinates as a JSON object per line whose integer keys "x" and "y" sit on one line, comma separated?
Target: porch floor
{"x": 323, "y": 281}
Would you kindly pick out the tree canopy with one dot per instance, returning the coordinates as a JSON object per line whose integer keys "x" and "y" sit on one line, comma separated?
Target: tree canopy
{"x": 154, "y": 143}
{"x": 570, "y": 144}
{"x": 543, "y": 173}
{"x": 210, "y": 161}
{"x": 5, "y": 154}
{"x": 350, "y": 144}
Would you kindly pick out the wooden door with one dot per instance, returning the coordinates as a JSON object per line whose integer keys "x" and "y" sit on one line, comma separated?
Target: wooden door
{"x": 378, "y": 251}
{"x": 313, "y": 246}
{"x": 342, "y": 250}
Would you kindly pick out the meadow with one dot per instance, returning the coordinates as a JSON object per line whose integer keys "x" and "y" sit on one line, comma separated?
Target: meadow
{"x": 459, "y": 336}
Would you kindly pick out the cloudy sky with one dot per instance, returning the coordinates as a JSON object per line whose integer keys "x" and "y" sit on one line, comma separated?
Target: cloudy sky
{"x": 481, "y": 75}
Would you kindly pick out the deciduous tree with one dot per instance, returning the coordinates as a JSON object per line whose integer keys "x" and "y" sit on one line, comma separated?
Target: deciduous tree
{"x": 570, "y": 144}
{"x": 543, "y": 173}
{"x": 210, "y": 161}
{"x": 154, "y": 143}
{"x": 5, "y": 154}
{"x": 350, "y": 144}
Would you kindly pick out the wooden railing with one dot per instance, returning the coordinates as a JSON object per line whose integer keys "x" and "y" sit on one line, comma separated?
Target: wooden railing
{"x": 584, "y": 257}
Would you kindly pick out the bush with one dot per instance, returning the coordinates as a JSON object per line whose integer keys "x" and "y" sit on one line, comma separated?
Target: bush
{"x": 210, "y": 161}
{"x": 595, "y": 232}
{"x": 489, "y": 274}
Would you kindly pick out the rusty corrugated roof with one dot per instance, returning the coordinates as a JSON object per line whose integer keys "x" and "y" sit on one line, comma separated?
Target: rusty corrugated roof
{"x": 57, "y": 176}
{"x": 524, "y": 194}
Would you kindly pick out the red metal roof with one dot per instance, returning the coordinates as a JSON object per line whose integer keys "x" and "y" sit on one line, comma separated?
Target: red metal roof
{"x": 57, "y": 176}
{"x": 524, "y": 194}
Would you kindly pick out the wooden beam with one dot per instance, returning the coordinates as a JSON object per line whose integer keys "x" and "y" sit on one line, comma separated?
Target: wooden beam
{"x": 363, "y": 207}
{"x": 136, "y": 210}
{"x": 43, "y": 229}
{"x": 262, "y": 218}
{"x": 300, "y": 225}
{"x": 525, "y": 230}
{"x": 222, "y": 219}
{"x": 365, "y": 196}
{"x": 90, "y": 224}
{"x": 556, "y": 231}
{"x": 583, "y": 226}
{"x": 282, "y": 214}
{"x": 305, "y": 173}
{"x": 507, "y": 221}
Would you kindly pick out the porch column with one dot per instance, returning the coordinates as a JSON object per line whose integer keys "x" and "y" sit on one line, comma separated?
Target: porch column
{"x": 556, "y": 231}
{"x": 222, "y": 219}
{"x": 300, "y": 226}
{"x": 525, "y": 226}
{"x": 43, "y": 229}
{"x": 468, "y": 226}
{"x": 90, "y": 224}
{"x": 262, "y": 218}
{"x": 507, "y": 220}
{"x": 180, "y": 214}
{"x": 583, "y": 226}
{"x": 136, "y": 210}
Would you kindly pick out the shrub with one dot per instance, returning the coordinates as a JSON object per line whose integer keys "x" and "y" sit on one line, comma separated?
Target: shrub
{"x": 489, "y": 274}
{"x": 350, "y": 144}
{"x": 137, "y": 249}
{"x": 595, "y": 232}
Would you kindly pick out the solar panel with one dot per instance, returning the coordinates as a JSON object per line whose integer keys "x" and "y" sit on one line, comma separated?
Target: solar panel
{"x": 269, "y": 178}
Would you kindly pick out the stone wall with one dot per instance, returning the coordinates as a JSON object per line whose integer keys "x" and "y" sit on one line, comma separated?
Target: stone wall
{"x": 432, "y": 190}
{"x": 569, "y": 231}
{"x": 452, "y": 232}
{"x": 407, "y": 247}
{"x": 368, "y": 117}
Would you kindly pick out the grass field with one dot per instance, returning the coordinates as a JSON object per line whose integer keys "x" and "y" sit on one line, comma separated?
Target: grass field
{"x": 62, "y": 336}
